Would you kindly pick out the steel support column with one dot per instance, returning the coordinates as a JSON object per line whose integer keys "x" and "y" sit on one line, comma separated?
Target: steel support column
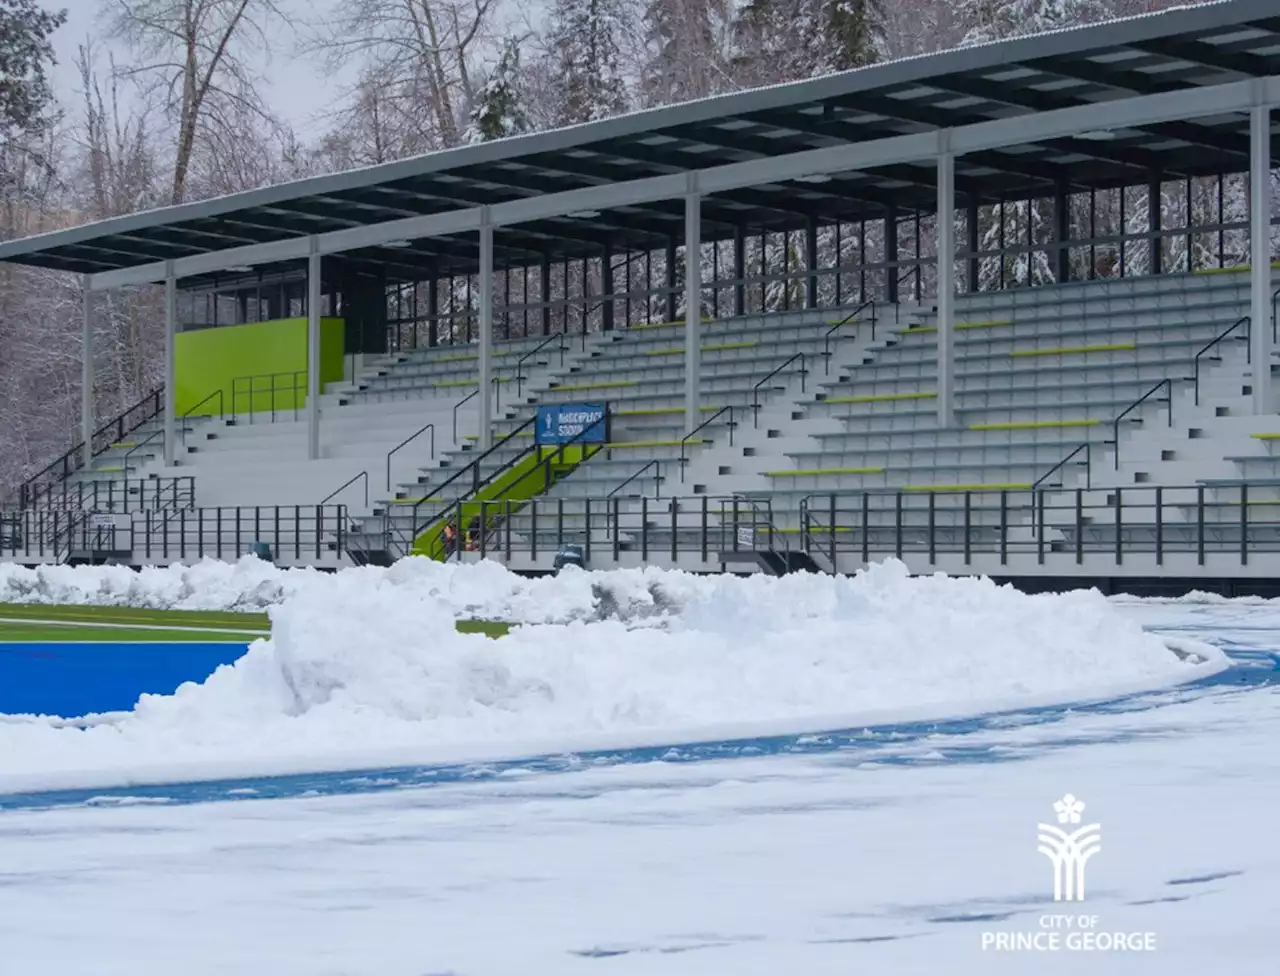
{"x": 544, "y": 282}
{"x": 1260, "y": 254}
{"x": 486, "y": 335}
{"x": 739, "y": 270}
{"x": 946, "y": 226}
{"x": 606, "y": 288}
{"x": 811, "y": 261}
{"x": 86, "y": 374}
{"x": 1155, "y": 218}
{"x": 1062, "y": 232}
{"x": 692, "y": 310}
{"x": 670, "y": 279}
{"x": 972, "y": 243}
{"x": 170, "y": 361}
{"x": 891, "y": 255}
{"x": 314, "y": 289}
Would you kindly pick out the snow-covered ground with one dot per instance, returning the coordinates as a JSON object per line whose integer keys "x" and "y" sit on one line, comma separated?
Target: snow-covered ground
{"x": 365, "y": 668}
{"x": 896, "y": 850}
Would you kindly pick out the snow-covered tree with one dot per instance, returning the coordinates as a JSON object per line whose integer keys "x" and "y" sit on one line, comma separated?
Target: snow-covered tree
{"x": 499, "y": 109}
{"x": 851, "y": 29}
{"x": 584, "y": 41}
{"x": 993, "y": 20}
{"x": 686, "y": 47}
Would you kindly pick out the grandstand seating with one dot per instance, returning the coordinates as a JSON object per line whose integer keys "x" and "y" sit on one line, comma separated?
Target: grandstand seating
{"x": 816, "y": 409}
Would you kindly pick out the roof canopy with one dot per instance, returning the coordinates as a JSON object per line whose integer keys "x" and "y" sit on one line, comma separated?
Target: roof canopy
{"x": 1176, "y": 51}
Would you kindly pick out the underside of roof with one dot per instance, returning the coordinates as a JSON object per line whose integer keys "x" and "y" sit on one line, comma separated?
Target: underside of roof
{"x": 1182, "y": 49}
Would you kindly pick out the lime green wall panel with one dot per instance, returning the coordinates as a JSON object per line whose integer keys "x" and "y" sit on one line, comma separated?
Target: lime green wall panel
{"x": 207, "y": 360}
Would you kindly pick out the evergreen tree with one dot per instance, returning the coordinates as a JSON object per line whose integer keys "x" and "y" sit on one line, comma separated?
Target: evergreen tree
{"x": 499, "y": 109}
{"x": 685, "y": 39}
{"x": 25, "y": 52}
{"x": 851, "y": 29}
{"x": 993, "y": 20}
{"x": 584, "y": 46}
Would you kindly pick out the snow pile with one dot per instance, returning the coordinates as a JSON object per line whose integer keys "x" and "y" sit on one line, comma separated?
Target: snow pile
{"x": 365, "y": 669}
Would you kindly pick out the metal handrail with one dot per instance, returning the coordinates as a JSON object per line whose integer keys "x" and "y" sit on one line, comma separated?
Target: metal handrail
{"x": 428, "y": 427}
{"x": 139, "y": 446}
{"x": 346, "y": 485}
{"x": 474, "y": 469}
{"x": 272, "y": 390}
{"x": 472, "y": 394}
{"x": 755, "y": 390}
{"x": 657, "y": 480}
{"x": 67, "y": 463}
{"x": 1246, "y": 321}
{"x": 546, "y": 459}
{"x": 1088, "y": 461}
{"x": 852, "y": 316}
{"x": 756, "y": 504}
{"x": 536, "y": 349}
{"x": 710, "y": 420}
{"x": 1115, "y": 424}
{"x": 221, "y": 412}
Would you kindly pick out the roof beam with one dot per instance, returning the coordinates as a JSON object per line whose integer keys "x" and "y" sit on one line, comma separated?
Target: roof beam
{"x": 1208, "y": 55}
{"x": 1035, "y": 127}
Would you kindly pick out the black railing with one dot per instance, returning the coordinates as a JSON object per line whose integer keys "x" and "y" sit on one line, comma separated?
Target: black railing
{"x": 292, "y": 385}
{"x": 186, "y": 416}
{"x": 550, "y": 456}
{"x": 656, "y": 466}
{"x": 852, "y": 317}
{"x": 470, "y": 396}
{"x": 118, "y": 495}
{"x": 408, "y": 440}
{"x": 1167, "y": 386}
{"x": 297, "y": 533}
{"x": 755, "y": 390}
{"x": 1217, "y": 339}
{"x": 1087, "y": 447}
{"x": 106, "y": 436}
{"x": 558, "y": 337}
{"x": 155, "y": 435}
{"x": 363, "y": 475}
{"x": 684, "y": 441}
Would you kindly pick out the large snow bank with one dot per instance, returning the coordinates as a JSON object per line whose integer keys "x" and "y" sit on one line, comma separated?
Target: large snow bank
{"x": 364, "y": 668}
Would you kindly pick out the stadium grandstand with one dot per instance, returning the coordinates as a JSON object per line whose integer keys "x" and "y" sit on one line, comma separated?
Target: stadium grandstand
{"x": 715, "y": 335}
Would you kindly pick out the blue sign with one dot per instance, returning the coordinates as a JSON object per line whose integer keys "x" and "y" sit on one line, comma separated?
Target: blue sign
{"x": 560, "y": 423}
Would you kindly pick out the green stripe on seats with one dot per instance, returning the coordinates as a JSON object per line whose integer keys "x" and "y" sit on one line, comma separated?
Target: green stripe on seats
{"x": 470, "y": 382}
{"x": 679, "y": 350}
{"x": 668, "y": 325}
{"x": 659, "y": 443}
{"x": 1037, "y": 425}
{"x": 1234, "y": 269}
{"x": 1265, "y": 437}
{"x": 813, "y": 530}
{"x": 1013, "y": 486}
{"x": 457, "y": 359}
{"x": 125, "y": 444}
{"x": 602, "y": 385}
{"x": 881, "y": 398}
{"x": 661, "y": 411}
{"x": 415, "y": 501}
{"x": 110, "y": 468}
{"x": 963, "y": 325}
{"x": 813, "y": 472}
{"x": 1071, "y": 350}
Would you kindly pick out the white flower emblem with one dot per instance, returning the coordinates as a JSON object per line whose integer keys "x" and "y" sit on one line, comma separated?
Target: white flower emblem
{"x": 1069, "y": 809}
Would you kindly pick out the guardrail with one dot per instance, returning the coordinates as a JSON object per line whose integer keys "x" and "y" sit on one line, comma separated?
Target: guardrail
{"x": 1245, "y": 321}
{"x": 405, "y": 443}
{"x": 110, "y": 433}
{"x": 122, "y": 496}
{"x": 851, "y": 317}
{"x": 684, "y": 441}
{"x": 755, "y": 390}
{"x": 271, "y": 385}
{"x": 1165, "y": 384}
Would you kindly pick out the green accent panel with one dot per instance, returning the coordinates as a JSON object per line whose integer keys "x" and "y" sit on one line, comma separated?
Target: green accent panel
{"x": 208, "y": 360}
{"x": 526, "y": 479}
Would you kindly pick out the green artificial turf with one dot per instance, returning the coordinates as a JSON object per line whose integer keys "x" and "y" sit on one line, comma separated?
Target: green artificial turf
{"x": 42, "y": 622}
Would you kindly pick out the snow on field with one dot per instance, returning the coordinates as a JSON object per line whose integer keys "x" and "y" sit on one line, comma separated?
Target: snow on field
{"x": 364, "y": 668}
{"x": 821, "y": 865}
